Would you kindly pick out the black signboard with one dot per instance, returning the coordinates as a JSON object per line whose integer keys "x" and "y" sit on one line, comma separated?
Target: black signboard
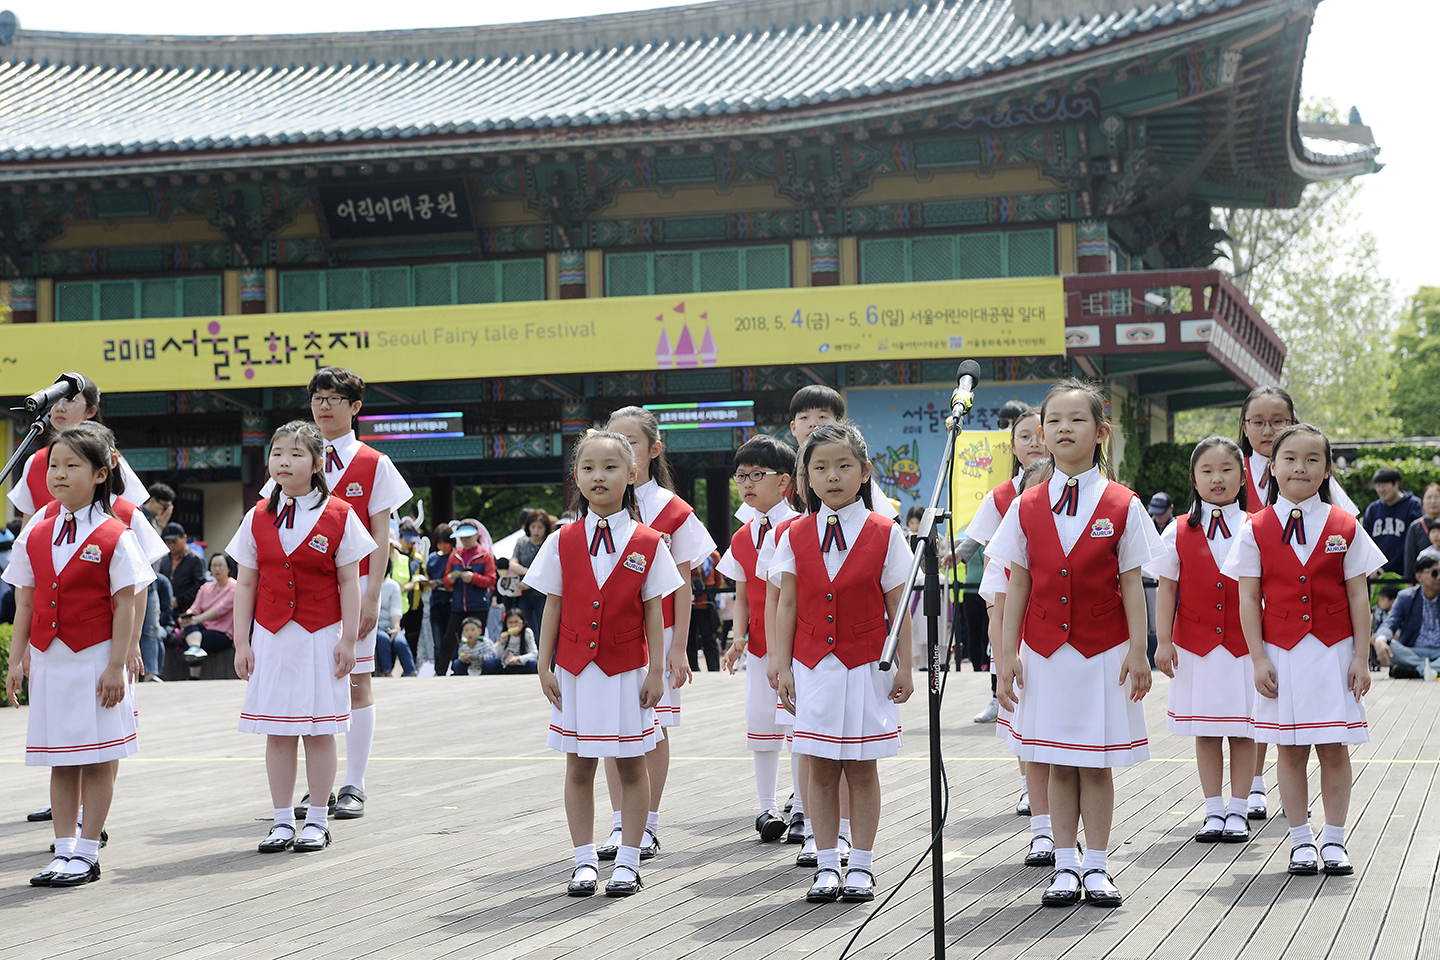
{"x": 410, "y": 208}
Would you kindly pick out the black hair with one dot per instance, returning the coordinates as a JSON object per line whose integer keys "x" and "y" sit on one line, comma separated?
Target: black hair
{"x": 916, "y": 512}
{"x": 1045, "y": 465}
{"x": 91, "y": 395}
{"x": 1386, "y": 475}
{"x": 1273, "y": 484}
{"x": 1017, "y": 412}
{"x": 513, "y": 610}
{"x": 1423, "y": 563}
{"x": 843, "y": 433}
{"x": 817, "y": 396}
{"x": 523, "y": 521}
{"x": 1012, "y": 410}
{"x": 1256, "y": 394}
{"x": 314, "y": 443}
{"x": 475, "y": 620}
{"x": 659, "y": 466}
{"x": 578, "y": 504}
{"x": 763, "y": 450}
{"x": 1232, "y": 448}
{"x": 1092, "y": 393}
{"x": 1392, "y": 590}
{"x": 347, "y": 383}
{"x": 162, "y": 492}
{"x": 106, "y": 436}
{"x": 229, "y": 561}
{"x": 94, "y": 449}
{"x": 539, "y": 515}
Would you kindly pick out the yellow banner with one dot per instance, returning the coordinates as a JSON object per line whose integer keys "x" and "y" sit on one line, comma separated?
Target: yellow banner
{"x": 982, "y": 463}
{"x": 899, "y": 321}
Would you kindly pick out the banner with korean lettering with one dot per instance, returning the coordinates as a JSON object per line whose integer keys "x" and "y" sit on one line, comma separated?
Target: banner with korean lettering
{"x": 901, "y": 321}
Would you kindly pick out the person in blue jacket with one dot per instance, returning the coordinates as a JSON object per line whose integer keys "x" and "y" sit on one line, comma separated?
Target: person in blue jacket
{"x": 1413, "y": 624}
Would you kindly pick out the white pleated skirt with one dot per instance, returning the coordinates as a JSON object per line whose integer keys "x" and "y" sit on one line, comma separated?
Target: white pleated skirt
{"x": 1075, "y": 713}
{"x": 1005, "y": 721}
{"x": 365, "y": 646}
{"x": 1211, "y": 696}
{"x": 294, "y": 691}
{"x": 845, "y": 714}
{"x": 1314, "y": 703}
{"x": 67, "y": 726}
{"x": 601, "y": 715}
{"x": 667, "y": 711}
{"x": 763, "y": 731}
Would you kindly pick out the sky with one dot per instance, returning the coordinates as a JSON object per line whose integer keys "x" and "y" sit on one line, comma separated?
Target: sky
{"x": 1372, "y": 54}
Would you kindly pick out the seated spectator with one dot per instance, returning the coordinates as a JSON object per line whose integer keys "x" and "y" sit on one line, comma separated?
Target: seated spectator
{"x": 517, "y": 648}
{"x": 1385, "y": 596}
{"x": 391, "y": 643}
{"x": 1413, "y": 624}
{"x": 209, "y": 623}
{"x": 477, "y": 654}
{"x": 1387, "y": 519}
{"x": 1417, "y": 535}
{"x": 1432, "y": 532}
{"x": 185, "y": 570}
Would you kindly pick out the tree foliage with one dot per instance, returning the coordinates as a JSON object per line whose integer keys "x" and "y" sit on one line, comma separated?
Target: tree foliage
{"x": 1416, "y": 394}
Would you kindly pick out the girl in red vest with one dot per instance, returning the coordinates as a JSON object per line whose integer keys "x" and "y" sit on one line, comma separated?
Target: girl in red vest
{"x": 299, "y": 553}
{"x": 842, "y": 572}
{"x": 1201, "y": 646}
{"x": 75, "y": 575}
{"x": 604, "y": 576}
{"x": 689, "y": 544}
{"x": 1264, "y": 414}
{"x": 1075, "y": 547}
{"x": 1302, "y": 563}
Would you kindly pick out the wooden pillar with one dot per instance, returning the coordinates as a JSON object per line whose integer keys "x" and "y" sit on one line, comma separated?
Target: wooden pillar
{"x": 442, "y": 500}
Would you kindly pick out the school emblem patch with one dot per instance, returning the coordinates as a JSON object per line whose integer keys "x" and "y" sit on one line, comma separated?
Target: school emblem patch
{"x": 1102, "y": 528}
{"x": 91, "y": 554}
{"x": 353, "y": 489}
{"x": 319, "y": 542}
{"x": 636, "y": 562}
{"x": 1336, "y": 544}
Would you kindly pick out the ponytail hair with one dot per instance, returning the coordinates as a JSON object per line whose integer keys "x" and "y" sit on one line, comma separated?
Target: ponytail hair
{"x": 1230, "y": 447}
{"x": 96, "y": 451}
{"x": 578, "y": 505}
{"x": 1096, "y": 399}
{"x": 1273, "y": 483}
{"x": 659, "y": 466}
{"x": 313, "y": 441}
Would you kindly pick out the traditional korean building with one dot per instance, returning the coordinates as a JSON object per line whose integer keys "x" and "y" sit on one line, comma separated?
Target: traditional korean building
{"x": 512, "y": 230}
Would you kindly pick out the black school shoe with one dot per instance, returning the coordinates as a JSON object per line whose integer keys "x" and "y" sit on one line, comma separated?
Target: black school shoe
{"x": 275, "y": 844}
{"x": 608, "y": 850}
{"x": 770, "y": 827}
{"x": 349, "y": 804}
{"x": 582, "y": 888}
{"x": 38, "y": 816}
{"x": 302, "y": 809}
{"x": 1336, "y": 866}
{"x": 649, "y": 850}
{"x": 1056, "y": 897}
{"x": 1105, "y": 895}
{"x": 76, "y": 879}
{"x": 302, "y": 845}
{"x": 624, "y": 888}
{"x": 1303, "y": 864}
{"x": 1212, "y": 830}
{"x": 796, "y": 833}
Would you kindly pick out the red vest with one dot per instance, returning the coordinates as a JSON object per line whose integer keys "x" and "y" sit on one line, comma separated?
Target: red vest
{"x": 35, "y": 471}
{"x": 1255, "y": 499}
{"x": 307, "y": 575}
{"x": 742, "y": 548}
{"x": 604, "y": 625}
{"x": 844, "y": 616}
{"x": 87, "y": 617}
{"x": 1075, "y": 598}
{"x": 1004, "y": 495}
{"x": 1205, "y": 617}
{"x": 123, "y": 509}
{"x": 670, "y": 518}
{"x": 355, "y": 486}
{"x": 1309, "y": 597}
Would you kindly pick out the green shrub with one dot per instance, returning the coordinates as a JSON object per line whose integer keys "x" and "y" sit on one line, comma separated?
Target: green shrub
{"x": 1165, "y": 466}
{"x": 6, "y": 629}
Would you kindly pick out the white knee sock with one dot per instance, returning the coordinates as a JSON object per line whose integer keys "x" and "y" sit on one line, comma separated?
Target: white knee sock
{"x": 767, "y": 771}
{"x": 357, "y": 745}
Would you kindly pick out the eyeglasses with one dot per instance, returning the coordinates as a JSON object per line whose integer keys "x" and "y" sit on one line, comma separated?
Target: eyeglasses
{"x": 1276, "y": 424}
{"x": 327, "y": 402}
{"x": 755, "y": 477}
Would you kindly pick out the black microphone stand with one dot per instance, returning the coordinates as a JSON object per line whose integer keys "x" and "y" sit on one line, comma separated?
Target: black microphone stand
{"x": 42, "y": 420}
{"x": 926, "y": 542}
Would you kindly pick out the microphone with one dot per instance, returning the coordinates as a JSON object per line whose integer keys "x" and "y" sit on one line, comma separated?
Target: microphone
{"x": 67, "y": 386}
{"x": 964, "y": 396}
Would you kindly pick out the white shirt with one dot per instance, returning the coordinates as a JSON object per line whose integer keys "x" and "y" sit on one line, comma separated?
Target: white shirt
{"x": 1362, "y": 556}
{"x": 1260, "y": 474}
{"x": 894, "y": 572}
{"x": 388, "y": 492}
{"x": 127, "y": 564}
{"x": 662, "y": 579}
{"x": 20, "y": 493}
{"x": 987, "y": 517}
{"x": 883, "y": 504}
{"x": 1167, "y": 564}
{"x": 993, "y": 581}
{"x": 1138, "y": 544}
{"x": 355, "y": 542}
{"x": 691, "y": 543}
{"x": 390, "y": 605}
{"x": 731, "y": 567}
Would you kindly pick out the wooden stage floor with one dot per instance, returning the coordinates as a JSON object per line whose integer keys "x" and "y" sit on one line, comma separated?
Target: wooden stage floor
{"x": 464, "y": 852}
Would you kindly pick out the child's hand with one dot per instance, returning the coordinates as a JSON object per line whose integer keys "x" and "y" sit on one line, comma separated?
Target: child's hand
{"x": 344, "y": 658}
{"x": 1265, "y": 684}
{"x": 244, "y": 660}
{"x": 14, "y": 677}
{"x": 111, "y": 689}
{"x": 772, "y": 673}
{"x": 134, "y": 663}
{"x": 903, "y": 686}
{"x": 551, "y": 687}
{"x": 677, "y": 667}
{"x": 1137, "y": 670}
{"x": 731, "y": 659}
{"x": 1382, "y": 651}
{"x": 785, "y": 687}
{"x": 652, "y": 690}
{"x": 1166, "y": 659}
{"x": 1359, "y": 679}
{"x": 1011, "y": 675}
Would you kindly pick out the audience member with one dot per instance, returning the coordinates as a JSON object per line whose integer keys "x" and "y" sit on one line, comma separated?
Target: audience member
{"x": 185, "y": 570}
{"x": 439, "y": 588}
{"x": 208, "y": 624}
{"x": 408, "y": 570}
{"x": 470, "y": 572}
{"x": 517, "y": 649}
{"x": 1413, "y": 624}
{"x": 391, "y": 643}
{"x": 1387, "y": 518}
{"x": 476, "y": 654}
{"x": 705, "y": 581}
{"x": 538, "y": 526}
{"x": 1417, "y": 535}
{"x": 161, "y": 505}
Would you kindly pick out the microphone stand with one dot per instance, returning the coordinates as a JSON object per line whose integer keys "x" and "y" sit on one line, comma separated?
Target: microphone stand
{"x": 926, "y": 543}
{"x": 42, "y": 419}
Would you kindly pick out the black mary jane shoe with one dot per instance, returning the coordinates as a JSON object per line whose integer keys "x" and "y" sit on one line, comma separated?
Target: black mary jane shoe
{"x": 76, "y": 879}
{"x": 770, "y": 827}
{"x": 1108, "y": 895}
{"x": 826, "y": 891}
{"x": 349, "y": 803}
{"x": 862, "y": 892}
{"x": 1338, "y": 866}
{"x": 275, "y": 844}
{"x": 1212, "y": 829}
{"x": 651, "y": 849}
{"x": 302, "y": 809}
{"x": 1257, "y": 809}
{"x": 807, "y": 857}
{"x": 583, "y": 888}
{"x": 1235, "y": 834}
{"x": 43, "y": 878}
{"x": 607, "y": 851}
{"x": 104, "y": 839}
{"x": 38, "y": 816}
{"x": 1042, "y": 851}
{"x": 624, "y": 888}
{"x": 796, "y": 832}
{"x": 1022, "y": 808}
{"x": 1302, "y": 865}
{"x": 1063, "y": 898}
{"x": 302, "y": 845}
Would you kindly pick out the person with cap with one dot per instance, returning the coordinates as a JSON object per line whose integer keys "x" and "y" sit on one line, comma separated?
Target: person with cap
{"x": 470, "y": 574}
{"x": 1162, "y": 510}
{"x": 185, "y": 570}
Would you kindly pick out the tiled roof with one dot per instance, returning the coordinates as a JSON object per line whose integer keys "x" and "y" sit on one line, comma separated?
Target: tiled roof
{"x": 74, "y": 110}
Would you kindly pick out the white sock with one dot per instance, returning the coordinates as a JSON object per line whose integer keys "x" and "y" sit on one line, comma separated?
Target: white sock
{"x": 1328, "y": 834}
{"x": 585, "y": 855}
{"x": 1238, "y": 807}
{"x": 86, "y": 852}
{"x": 1024, "y": 785}
{"x": 79, "y": 820}
{"x": 357, "y": 745}
{"x": 809, "y": 830}
{"x": 1066, "y": 858}
{"x": 828, "y": 858}
{"x": 845, "y": 828}
{"x": 767, "y": 772}
{"x": 317, "y": 819}
{"x": 627, "y": 858}
{"x": 1214, "y": 807}
{"x": 1093, "y": 860}
{"x": 862, "y": 859}
{"x": 799, "y": 805}
{"x": 285, "y": 817}
{"x": 1040, "y": 823}
{"x": 615, "y": 818}
{"x": 64, "y": 850}
{"x": 1301, "y": 835}
{"x": 1257, "y": 785}
{"x": 652, "y": 822}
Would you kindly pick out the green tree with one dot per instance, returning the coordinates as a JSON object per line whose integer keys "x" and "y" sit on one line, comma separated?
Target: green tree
{"x": 1416, "y": 394}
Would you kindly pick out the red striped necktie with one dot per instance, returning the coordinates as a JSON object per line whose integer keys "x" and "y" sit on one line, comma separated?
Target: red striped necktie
{"x": 67, "y": 530}
{"x": 834, "y": 536}
{"x": 762, "y": 529}
{"x": 286, "y": 514}
{"x": 1217, "y": 523}
{"x": 601, "y": 538}
{"x": 1069, "y": 499}
{"x": 332, "y": 460}
{"x": 1295, "y": 528}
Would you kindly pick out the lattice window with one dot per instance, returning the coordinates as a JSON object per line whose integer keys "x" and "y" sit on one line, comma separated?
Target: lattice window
{"x": 200, "y": 297}
{"x": 932, "y": 258}
{"x": 390, "y": 287}
{"x": 475, "y": 283}
{"x": 159, "y": 298}
{"x": 964, "y": 256}
{"x": 884, "y": 261}
{"x": 628, "y": 274}
{"x": 719, "y": 270}
{"x": 425, "y": 285}
{"x": 1030, "y": 253}
{"x": 80, "y": 300}
{"x": 1106, "y": 303}
{"x": 74, "y": 301}
{"x": 695, "y": 271}
{"x": 674, "y": 272}
{"x": 765, "y": 268}
{"x": 301, "y": 292}
{"x": 522, "y": 280}
{"x": 434, "y": 284}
